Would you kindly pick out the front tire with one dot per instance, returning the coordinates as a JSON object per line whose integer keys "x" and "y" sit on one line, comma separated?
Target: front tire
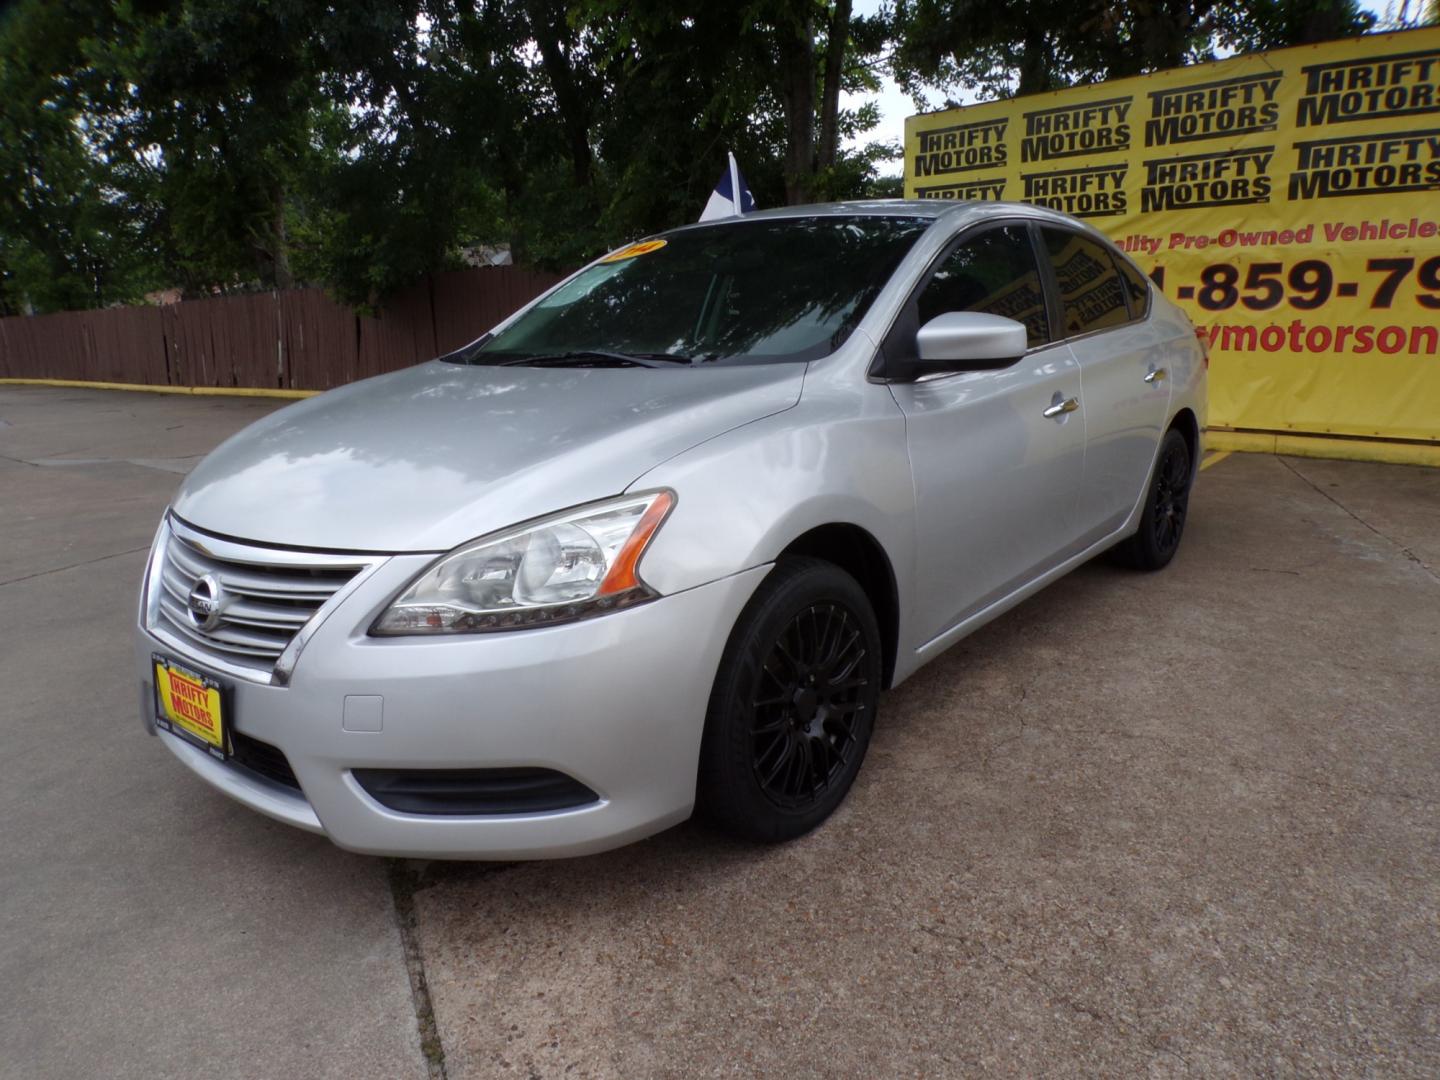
{"x": 793, "y": 705}
{"x": 1167, "y": 504}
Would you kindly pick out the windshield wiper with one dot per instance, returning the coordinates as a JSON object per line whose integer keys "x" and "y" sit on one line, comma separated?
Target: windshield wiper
{"x": 580, "y": 356}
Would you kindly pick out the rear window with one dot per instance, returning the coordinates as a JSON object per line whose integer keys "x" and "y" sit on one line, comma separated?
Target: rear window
{"x": 1137, "y": 287}
{"x": 1092, "y": 290}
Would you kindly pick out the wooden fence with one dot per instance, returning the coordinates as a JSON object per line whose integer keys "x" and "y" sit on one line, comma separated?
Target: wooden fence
{"x": 297, "y": 339}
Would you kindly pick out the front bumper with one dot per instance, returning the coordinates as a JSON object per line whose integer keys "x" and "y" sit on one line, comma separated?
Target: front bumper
{"x": 617, "y": 702}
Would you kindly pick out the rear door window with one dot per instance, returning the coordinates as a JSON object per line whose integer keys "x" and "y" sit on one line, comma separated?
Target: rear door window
{"x": 994, "y": 272}
{"x": 1137, "y": 287}
{"x": 1092, "y": 292}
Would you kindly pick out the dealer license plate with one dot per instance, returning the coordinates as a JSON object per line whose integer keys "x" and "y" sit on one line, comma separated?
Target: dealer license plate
{"x": 190, "y": 704}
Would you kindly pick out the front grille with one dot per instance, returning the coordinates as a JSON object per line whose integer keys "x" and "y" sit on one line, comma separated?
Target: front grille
{"x": 260, "y": 757}
{"x": 474, "y": 791}
{"x": 266, "y": 597}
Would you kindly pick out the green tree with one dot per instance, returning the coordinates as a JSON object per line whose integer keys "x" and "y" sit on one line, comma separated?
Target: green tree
{"x": 1006, "y": 48}
{"x": 230, "y": 144}
{"x": 1274, "y": 24}
{"x": 415, "y": 100}
{"x": 71, "y": 233}
{"x": 217, "y": 114}
{"x": 762, "y": 78}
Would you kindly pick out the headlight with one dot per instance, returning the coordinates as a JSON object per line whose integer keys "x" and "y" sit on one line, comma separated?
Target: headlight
{"x": 576, "y": 564}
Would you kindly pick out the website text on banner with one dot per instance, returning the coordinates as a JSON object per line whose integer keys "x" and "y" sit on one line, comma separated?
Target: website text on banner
{"x": 1289, "y": 200}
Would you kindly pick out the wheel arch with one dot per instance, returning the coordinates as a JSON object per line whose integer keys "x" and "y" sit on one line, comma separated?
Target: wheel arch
{"x": 859, "y": 554}
{"x": 1185, "y": 422}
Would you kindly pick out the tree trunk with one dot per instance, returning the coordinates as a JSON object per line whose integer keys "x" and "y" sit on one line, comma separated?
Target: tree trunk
{"x": 574, "y": 113}
{"x": 1320, "y": 23}
{"x": 835, "y": 48}
{"x": 280, "y": 241}
{"x": 1163, "y": 30}
{"x": 519, "y": 247}
{"x": 797, "y": 95}
{"x": 1036, "y": 75}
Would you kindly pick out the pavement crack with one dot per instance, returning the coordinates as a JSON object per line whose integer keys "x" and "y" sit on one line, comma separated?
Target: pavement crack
{"x": 72, "y": 566}
{"x": 1383, "y": 536}
{"x": 1334, "y": 788}
{"x": 1098, "y": 1015}
{"x": 1376, "y": 669}
{"x": 995, "y": 748}
{"x": 1062, "y": 997}
{"x": 1250, "y": 766}
{"x": 403, "y": 883}
{"x": 408, "y": 877}
{"x": 1118, "y": 733}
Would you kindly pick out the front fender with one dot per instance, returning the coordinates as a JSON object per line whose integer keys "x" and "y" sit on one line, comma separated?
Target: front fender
{"x": 839, "y": 456}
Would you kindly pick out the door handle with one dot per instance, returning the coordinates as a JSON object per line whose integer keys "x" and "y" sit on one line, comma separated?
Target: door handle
{"x": 1060, "y": 408}
{"x": 1156, "y": 374}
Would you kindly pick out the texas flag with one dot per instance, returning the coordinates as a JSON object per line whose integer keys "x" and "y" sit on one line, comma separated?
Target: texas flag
{"x": 724, "y": 201}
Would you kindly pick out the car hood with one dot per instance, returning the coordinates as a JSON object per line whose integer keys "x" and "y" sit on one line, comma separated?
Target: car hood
{"x": 427, "y": 458}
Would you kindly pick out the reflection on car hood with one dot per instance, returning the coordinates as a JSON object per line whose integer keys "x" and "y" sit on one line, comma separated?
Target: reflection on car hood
{"x": 435, "y": 455}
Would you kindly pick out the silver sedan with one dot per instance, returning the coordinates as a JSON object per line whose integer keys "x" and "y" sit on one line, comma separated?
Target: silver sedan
{"x": 657, "y": 542}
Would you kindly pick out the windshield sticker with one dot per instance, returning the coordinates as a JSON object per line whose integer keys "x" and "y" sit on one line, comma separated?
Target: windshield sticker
{"x": 645, "y": 247}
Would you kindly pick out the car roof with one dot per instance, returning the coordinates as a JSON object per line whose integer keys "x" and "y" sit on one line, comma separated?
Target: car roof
{"x": 927, "y": 208}
{"x": 933, "y": 209}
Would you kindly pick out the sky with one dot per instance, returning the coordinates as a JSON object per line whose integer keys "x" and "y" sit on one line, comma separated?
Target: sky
{"x": 895, "y": 105}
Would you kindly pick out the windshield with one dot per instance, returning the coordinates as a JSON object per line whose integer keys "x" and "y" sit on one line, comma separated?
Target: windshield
{"x": 771, "y": 290}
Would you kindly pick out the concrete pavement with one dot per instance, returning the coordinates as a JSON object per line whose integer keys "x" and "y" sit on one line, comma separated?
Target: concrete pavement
{"x": 148, "y": 926}
{"x": 1181, "y": 824}
{"x": 1175, "y": 824}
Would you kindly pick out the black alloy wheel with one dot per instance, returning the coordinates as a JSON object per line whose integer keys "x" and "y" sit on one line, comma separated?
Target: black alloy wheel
{"x": 1167, "y": 505}
{"x": 1172, "y": 497}
{"x": 808, "y": 700}
{"x": 793, "y": 705}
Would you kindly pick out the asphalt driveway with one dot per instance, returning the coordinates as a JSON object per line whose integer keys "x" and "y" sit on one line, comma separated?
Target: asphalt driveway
{"x": 1178, "y": 824}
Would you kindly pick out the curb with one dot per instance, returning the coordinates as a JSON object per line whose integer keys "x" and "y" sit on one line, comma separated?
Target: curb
{"x": 1324, "y": 446}
{"x": 208, "y": 391}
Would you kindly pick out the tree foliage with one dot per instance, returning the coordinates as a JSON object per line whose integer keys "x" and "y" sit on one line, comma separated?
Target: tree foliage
{"x": 218, "y": 145}
{"x": 72, "y": 227}
{"x": 1000, "y": 48}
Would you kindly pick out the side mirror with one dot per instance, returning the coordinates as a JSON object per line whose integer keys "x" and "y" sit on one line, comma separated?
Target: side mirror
{"x": 969, "y": 341}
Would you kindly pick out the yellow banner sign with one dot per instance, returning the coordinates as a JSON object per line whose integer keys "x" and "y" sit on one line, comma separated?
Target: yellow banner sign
{"x": 1289, "y": 201}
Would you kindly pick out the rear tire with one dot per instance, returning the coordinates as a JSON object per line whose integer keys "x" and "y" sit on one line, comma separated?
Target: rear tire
{"x": 793, "y": 705}
{"x": 1167, "y": 504}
